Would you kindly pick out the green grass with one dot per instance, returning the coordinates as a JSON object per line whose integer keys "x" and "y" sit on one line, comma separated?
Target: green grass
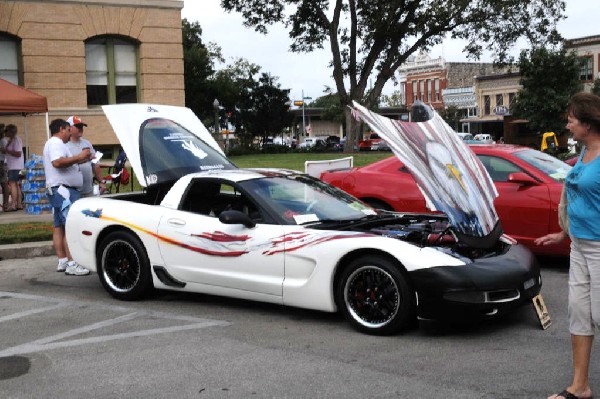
{"x": 14, "y": 233}
{"x": 295, "y": 161}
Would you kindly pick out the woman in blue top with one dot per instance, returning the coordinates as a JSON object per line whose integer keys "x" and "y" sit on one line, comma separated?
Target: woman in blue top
{"x": 583, "y": 213}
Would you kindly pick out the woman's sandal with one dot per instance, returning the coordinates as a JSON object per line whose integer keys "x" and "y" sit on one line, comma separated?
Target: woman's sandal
{"x": 568, "y": 395}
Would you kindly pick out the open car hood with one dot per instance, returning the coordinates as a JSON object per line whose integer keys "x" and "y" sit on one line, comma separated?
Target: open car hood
{"x": 449, "y": 174}
{"x": 163, "y": 142}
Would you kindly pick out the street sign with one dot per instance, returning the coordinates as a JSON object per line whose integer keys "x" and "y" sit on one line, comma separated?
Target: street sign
{"x": 500, "y": 110}
{"x": 298, "y": 103}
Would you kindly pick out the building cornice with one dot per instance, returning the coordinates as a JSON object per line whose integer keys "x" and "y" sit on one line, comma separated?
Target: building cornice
{"x": 582, "y": 41}
{"x": 177, "y": 4}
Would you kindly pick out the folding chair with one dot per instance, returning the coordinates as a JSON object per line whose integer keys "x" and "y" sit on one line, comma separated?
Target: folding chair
{"x": 113, "y": 179}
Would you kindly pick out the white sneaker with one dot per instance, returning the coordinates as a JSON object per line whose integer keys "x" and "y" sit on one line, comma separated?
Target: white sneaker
{"x": 62, "y": 266}
{"x": 76, "y": 269}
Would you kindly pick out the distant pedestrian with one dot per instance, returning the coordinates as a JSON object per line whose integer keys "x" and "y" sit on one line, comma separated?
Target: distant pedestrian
{"x": 3, "y": 171}
{"x": 89, "y": 169}
{"x": 15, "y": 162}
{"x": 63, "y": 181}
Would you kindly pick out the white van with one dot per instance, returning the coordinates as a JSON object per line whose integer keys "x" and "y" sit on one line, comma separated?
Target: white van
{"x": 484, "y": 138}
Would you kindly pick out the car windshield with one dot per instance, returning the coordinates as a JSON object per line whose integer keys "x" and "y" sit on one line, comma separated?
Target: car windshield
{"x": 552, "y": 166}
{"x": 181, "y": 152}
{"x": 302, "y": 199}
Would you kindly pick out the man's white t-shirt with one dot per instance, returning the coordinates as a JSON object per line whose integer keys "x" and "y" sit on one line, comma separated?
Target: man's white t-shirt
{"x": 69, "y": 176}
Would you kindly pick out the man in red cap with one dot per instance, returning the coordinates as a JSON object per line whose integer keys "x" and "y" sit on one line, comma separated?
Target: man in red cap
{"x": 89, "y": 169}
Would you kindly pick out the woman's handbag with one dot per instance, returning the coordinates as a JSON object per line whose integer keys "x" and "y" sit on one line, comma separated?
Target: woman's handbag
{"x": 563, "y": 220}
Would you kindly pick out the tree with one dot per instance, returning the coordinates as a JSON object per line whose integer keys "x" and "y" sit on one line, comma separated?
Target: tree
{"x": 396, "y": 99}
{"x": 330, "y": 103}
{"x": 198, "y": 67}
{"x": 596, "y": 87}
{"x": 452, "y": 115}
{"x": 369, "y": 40}
{"x": 267, "y": 109}
{"x": 548, "y": 79}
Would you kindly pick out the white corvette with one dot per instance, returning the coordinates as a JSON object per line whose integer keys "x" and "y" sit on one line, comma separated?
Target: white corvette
{"x": 203, "y": 225}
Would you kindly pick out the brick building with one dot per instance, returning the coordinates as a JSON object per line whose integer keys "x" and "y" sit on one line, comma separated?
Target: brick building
{"x": 81, "y": 54}
{"x": 423, "y": 78}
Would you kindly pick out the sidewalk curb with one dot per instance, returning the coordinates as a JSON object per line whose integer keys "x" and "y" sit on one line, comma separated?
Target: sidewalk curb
{"x": 26, "y": 250}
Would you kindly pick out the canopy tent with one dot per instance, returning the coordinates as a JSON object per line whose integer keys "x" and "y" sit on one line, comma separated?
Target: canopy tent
{"x": 18, "y": 100}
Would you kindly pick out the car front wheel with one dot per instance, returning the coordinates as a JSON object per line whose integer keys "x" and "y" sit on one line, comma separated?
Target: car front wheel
{"x": 123, "y": 266}
{"x": 375, "y": 297}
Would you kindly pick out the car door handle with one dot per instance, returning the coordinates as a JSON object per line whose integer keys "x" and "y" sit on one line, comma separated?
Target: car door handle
{"x": 176, "y": 222}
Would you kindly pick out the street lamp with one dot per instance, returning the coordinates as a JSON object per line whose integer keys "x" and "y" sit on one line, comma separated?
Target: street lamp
{"x": 303, "y": 117}
{"x": 216, "y": 107}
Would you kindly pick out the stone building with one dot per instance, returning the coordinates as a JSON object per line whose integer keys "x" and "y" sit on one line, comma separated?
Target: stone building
{"x": 588, "y": 50}
{"x": 81, "y": 54}
{"x": 495, "y": 95}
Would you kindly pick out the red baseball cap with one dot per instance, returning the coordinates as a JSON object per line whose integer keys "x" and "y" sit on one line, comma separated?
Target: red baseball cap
{"x": 75, "y": 120}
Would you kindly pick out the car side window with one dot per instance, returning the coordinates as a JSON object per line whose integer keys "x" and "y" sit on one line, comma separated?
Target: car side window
{"x": 211, "y": 198}
{"x": 499, "y": 169}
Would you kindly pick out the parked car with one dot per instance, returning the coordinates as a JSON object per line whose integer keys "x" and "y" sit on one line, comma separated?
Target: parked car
{"x": 380, "y": 145}
{"x": 313, "y": 142}
{"x": 367, "y": 144}
{"x": 483, "y": 139}
{"x": 203, "y": 225}
{"x": 528, "y": 181}
{"x": 465, "y": 136}
{"x": 572, "y": 160}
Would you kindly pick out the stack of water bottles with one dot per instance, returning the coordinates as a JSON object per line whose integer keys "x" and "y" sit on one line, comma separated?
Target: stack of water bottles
{"x": 34, "y": 187}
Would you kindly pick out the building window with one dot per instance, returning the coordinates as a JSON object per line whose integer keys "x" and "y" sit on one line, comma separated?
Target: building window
{"x": 422, "y": 90}
{"x": 437, "y": 90}
{"x": 430, "y": 91}
{"x": 487, "y": 105}
{"x": 414, "y": 88}
{"x": 586, "y": 71}
{"x": 511, "y": 99}
{"x": 9, "y": 58}
{"x": 499, "y": 99}
{"x": 111, "y": 71}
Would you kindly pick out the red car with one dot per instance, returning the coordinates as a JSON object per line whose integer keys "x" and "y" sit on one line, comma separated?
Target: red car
{"x": 529, "y": 183}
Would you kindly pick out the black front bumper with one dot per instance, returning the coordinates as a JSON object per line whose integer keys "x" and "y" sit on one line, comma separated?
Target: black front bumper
{"x": 484, "y": 288}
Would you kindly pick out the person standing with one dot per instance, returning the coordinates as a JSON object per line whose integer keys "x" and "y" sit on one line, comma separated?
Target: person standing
{"x": 582, "y": 225}
{"x": 15, "y": 162}
{"x": 3, "y": 173}
{"x": 89, "y": 170}
{"x": 63, "y": 181}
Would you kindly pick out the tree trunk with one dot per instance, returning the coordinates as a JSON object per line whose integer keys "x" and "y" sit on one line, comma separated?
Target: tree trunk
{"x": 352, "y": 132}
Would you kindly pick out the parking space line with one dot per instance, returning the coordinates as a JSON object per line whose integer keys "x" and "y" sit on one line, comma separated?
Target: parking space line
{"x": 31, "y": 312}
{"x": 50, "y": 342}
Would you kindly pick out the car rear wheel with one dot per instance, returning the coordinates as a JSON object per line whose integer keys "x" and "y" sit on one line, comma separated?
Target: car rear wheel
{"x": 375, "y": 297}
{"x": 124, "y": 268}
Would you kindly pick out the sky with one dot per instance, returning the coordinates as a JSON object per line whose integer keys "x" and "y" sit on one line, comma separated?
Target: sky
{"x": 308, "y": 74}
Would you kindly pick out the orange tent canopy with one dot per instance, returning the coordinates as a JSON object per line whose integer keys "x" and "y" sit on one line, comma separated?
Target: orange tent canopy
{"x": 16, "y": 100}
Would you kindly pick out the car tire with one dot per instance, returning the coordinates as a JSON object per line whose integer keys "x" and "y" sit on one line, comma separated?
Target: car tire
{"x": 123, "y": 266}
{"x": 375, "y": 296}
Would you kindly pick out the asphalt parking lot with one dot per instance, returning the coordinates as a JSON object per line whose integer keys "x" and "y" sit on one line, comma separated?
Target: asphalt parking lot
{"x": 65, "y": 337}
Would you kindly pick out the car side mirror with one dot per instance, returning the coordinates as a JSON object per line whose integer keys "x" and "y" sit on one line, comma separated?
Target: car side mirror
{"x": 236, "y": 217}
{"x": 522, "y": 178}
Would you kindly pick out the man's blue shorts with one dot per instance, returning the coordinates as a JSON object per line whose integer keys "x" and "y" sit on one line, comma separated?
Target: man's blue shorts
{"x": 59, "y": 209}
{"x": 13, "y": 175}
